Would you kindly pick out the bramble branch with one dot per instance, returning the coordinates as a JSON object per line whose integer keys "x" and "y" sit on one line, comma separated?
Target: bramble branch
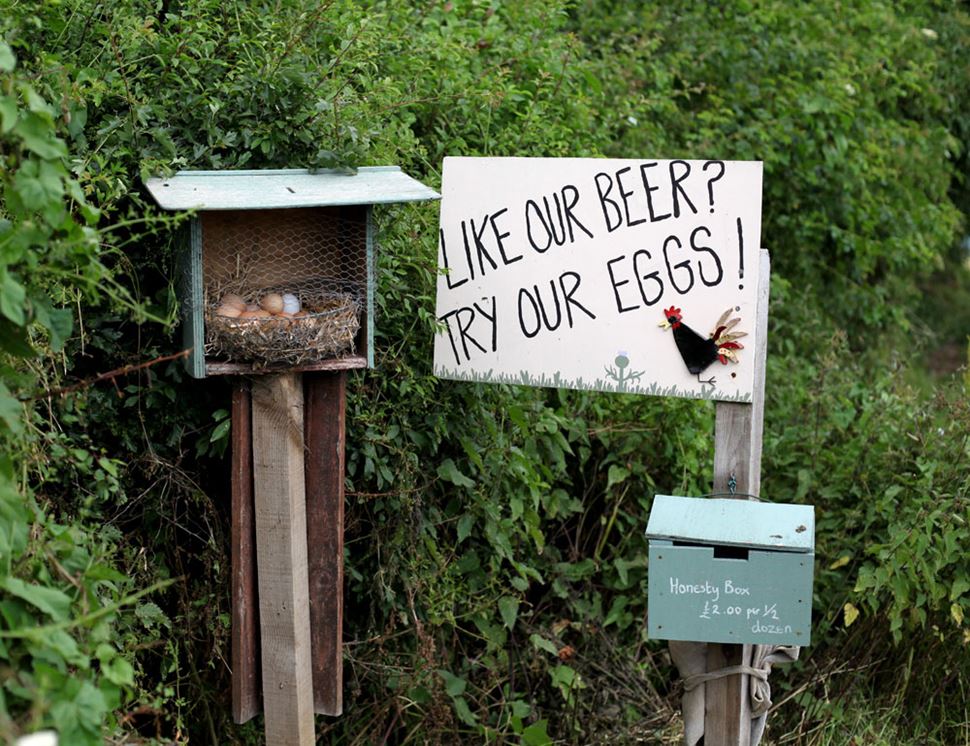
{"x": 109, "y": 376}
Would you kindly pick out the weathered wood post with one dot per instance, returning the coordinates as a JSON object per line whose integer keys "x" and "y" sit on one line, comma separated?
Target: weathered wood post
{"x": 325, "y": 407}
{"x": 278, "y": 281}
{"x": 738, "y": 432}
{"x": 281, "y": 555}
{"x": 245, "y": 615}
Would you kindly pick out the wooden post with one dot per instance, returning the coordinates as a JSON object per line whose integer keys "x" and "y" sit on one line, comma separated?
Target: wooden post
{"x": 281, "y": 549}
{"x": 326, "y": 404}
{"x": 245, "y": 633}
{"x": 737, "y": 462}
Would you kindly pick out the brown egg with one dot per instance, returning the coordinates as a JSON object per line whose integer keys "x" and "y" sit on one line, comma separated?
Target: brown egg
{"x": 228, "y": 310}
{"x": 236, "y": 301}
{"x": 272, "y": 302}
{"x": 253, "y": 307}
{"x": 255, "y": 315}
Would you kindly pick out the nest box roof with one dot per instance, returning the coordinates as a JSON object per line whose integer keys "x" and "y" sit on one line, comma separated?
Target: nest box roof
{"x": 728, "y": 522}
{"x": 277, "y": 189}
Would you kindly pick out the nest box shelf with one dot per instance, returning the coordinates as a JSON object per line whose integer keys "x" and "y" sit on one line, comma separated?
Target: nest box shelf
{"x": 278, "y": 270}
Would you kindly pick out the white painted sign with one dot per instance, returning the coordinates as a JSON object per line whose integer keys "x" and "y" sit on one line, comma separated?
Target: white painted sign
{"x": 560, "y": 272}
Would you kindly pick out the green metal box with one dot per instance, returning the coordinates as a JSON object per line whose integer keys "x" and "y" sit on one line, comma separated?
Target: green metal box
{"x": 287, "y": 236}
{"x": 730, "y": 571}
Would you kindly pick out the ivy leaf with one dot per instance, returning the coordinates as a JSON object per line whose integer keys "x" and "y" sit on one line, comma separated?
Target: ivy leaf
{"x": 616, "y": 474}
{"x": 464, "y": 713}
{"x": 956, "y": 611}
{"x": 40, "y": 188}
{"x": 566, "y": 679}
{"x": 151, "y": 615}
{"x": 508, "y": 607}
{"x": 536, "y": 734}
{"x": 67, "y": 647}
{"x": 12, "y": 297}
{"x": 38, "y": 137}
{"x": 840, "y": 562}
{"x": 51, "y": 601}
{"x": 617, "y": 609}
{"x": 454, "y": 685}
{"x": 851, "y": 613}
{"x": 11, "y": 410}
{"x": 7, "y": 59}
{"x": 8, "y": 114}
{"x": 960, "y": 586}
{"x": 220, "y": 431}
{"x": 105, "y": 652}
{"x": 465, "y": 524}
{"x": 450, "y": 473}
{"x": 541, "y": 643}
{"x": 77, "y": 715}
{"x": 119, "y": 671}
{"x": 59, "y": 322}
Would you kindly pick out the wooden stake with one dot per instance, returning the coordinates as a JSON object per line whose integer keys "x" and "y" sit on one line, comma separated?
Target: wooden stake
{"x": 245, "y": 633}
{"x": 326, "y": 404}
{"x": 284, "y": 607}
{"x": 737, "y": 460}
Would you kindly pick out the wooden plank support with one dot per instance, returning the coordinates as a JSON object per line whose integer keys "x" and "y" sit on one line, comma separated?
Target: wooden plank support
{"x": 325, "y": 408}
{"x": 245, "y": 632}
{"x": 281, "y": 550}
{"x": 737, "y": 461}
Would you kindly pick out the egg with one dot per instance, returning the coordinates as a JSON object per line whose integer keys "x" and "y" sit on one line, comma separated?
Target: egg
{"x": 234, "y": 301}
{"x": 255, "y": 314}
{"x": 229, "y": 311}
{"x": 291, "y": 304}
{"x": 253, "y": 307}
{"x": 272, "y": 302}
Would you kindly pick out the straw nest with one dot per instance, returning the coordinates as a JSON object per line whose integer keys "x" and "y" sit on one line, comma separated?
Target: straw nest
{"x": 325, "y": 327}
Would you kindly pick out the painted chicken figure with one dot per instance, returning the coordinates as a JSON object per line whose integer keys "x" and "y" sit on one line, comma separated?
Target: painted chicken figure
{"x": 700, "y": 353}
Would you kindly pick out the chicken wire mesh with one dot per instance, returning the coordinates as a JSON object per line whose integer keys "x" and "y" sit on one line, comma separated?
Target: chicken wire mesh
{"x": 283, "y": 286}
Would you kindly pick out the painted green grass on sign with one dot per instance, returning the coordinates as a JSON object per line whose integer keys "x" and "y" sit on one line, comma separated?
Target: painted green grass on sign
{"x": 525, "y": 378}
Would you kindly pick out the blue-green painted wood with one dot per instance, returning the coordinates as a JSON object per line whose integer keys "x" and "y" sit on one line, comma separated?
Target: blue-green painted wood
{"x": 371, "y": 282}
{"x": 274, "y": 189}
{"x": 743, "y": 523}
{"x": 193, "y": 323}
{"x": 765, "y": 599}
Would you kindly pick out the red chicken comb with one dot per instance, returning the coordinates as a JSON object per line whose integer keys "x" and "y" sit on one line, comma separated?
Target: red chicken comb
{"x": 672, "y": 311}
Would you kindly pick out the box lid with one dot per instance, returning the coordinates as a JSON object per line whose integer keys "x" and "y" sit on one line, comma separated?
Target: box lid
{"x": 276, "y": 189}
{"x": 740, "y": 523}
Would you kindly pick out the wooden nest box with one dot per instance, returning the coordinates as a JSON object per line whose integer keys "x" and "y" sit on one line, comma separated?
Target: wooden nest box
{"x": 278, "y": 266}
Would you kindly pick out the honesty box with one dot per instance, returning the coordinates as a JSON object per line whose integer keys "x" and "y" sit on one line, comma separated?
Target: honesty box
{"x": 558, "y": 271}
{"x": 730, "y": 570}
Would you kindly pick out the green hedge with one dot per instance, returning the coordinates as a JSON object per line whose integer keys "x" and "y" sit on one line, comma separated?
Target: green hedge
{"x": 496, "y": 570}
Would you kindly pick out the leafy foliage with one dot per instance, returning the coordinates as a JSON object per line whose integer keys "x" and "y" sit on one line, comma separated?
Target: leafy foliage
{"x": 60, "y": 641}
{"x": 496, "y": 577}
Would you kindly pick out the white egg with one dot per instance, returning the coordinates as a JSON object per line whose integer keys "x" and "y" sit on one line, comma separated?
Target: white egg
{"x": 291, "y": 304}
